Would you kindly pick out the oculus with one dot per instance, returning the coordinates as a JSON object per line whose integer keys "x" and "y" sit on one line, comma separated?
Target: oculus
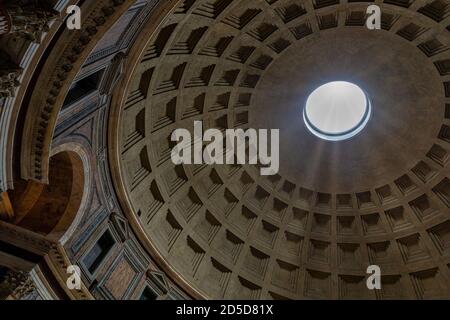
{"x": 337, "y": 111}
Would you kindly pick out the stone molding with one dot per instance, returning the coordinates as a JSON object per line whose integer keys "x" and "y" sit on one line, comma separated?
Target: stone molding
{"x": 60, "y": 69}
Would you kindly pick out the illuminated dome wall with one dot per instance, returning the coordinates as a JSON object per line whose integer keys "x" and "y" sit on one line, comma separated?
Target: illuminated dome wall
{"x": 311, "y": 231}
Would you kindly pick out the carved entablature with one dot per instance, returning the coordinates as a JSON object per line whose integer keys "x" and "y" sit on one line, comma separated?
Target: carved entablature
{"x": 29, "y": 20}
{"x": 9, "y": 74}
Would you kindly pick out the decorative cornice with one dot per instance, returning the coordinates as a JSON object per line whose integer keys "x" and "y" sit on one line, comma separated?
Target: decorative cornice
{"x": 58, "y": 262}
{"x": 25, "y": 239}
{"x": 61, "y": 67}
{"x": 27, "y": 55}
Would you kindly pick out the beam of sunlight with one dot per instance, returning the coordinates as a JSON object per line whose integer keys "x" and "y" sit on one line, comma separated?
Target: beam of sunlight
{"x": 337, "y": 111}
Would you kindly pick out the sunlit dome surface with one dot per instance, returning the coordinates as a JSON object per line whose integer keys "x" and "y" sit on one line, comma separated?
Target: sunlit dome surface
{"x": 337, "y": 110}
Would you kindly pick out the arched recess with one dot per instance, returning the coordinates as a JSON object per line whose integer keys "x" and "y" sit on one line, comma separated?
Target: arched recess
{"x": 67, "y": 226}
{"x": 55, "y": 209}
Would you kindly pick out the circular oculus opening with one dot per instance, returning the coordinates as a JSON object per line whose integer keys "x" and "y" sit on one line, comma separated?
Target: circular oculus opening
{"x": 337, "y": 111}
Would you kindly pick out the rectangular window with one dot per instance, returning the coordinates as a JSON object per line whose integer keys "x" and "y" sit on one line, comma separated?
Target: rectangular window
{"x": 148, "y": 294}
{"x": 99, "y": 251}
{"x": 83, "y": 87}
